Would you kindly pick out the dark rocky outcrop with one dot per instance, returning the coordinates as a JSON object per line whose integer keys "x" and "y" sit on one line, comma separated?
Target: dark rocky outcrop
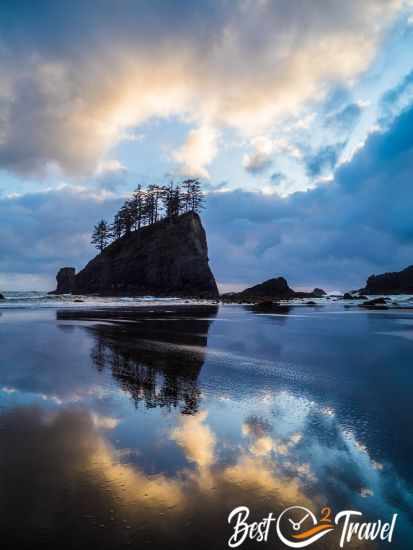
{"x": 167, "y": 258}
{"x": 65, "y": 280}
{"x": 376, "y": 303}
{"x": 319, "y": 293}
{"x": 273, "y": 289}
{"x": 2, "y": 297}
{"x": 316, "y": 293}
{"x": 398, "y": 282}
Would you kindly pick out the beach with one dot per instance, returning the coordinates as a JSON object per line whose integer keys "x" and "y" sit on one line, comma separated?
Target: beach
{"x": 145, "y": 424}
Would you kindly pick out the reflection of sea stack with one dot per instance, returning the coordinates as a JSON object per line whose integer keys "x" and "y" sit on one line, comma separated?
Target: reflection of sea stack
{"x": 155, "y": 354}
{"x": 167, "y": 258}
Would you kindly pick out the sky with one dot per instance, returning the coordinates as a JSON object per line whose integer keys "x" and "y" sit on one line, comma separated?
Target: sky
{"x": 297, "y": 117}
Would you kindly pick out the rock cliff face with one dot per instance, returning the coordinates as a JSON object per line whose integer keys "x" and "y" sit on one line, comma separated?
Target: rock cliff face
{"x": 398, "y": 282}
{"x": 168, "y": 258}
{"x": 65, "y": 280}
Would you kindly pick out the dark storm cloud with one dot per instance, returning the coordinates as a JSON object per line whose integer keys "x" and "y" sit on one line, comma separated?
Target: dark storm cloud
{"x": 41, "y": 232}
{"x": 335, "y": 235}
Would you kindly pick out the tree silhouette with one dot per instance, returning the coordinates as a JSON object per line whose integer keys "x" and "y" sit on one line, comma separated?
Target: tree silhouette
{"x": 193, "y": 197}
{"x": 148, "y": 206}
{"x": 116, "y": 227}
{"x": 137, "y": 206}
{"x": 171, "y": 199}
{"x": 101, "y": 235}
{"x": 126, "y": 216}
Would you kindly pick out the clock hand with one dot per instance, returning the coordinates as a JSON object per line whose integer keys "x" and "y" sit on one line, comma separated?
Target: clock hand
{"x": 303, "y": 519}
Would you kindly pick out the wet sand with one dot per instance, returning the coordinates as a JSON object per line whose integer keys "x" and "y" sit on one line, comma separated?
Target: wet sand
{"x": 145, "y": 427}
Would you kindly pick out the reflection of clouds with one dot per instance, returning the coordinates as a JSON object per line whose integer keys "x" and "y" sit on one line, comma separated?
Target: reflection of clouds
{"x": 262, "y": 443}
{"x": 67, "y": 448}
{"x": 356, "y": 446}
{"x": 257, "y": 474}
{"x": 105, "y": 422}
{"x": 262, "y": 446}
{"x": 304, "y": 441}
{"x": 256, "y": 426}
{"x": 196, "y": 439}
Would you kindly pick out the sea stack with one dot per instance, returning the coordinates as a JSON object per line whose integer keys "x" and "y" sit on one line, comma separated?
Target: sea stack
{"x": 65, "y": 279}
{"x": 167, "y": 258}
{"x": 397, "y": 282}
{"x": 270, "y": 290}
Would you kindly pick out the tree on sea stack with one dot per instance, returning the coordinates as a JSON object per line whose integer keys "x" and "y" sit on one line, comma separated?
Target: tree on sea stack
{"x": 101, "y": 235}
{"x": 149, "y": 205}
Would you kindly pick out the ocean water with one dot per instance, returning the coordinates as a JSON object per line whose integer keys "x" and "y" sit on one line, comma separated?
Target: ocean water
{"x": 146, "y": 425}
{"x": 37, "y": 300}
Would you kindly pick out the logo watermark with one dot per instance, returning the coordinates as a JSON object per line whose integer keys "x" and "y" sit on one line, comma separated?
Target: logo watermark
{"x": 298, "y": 527}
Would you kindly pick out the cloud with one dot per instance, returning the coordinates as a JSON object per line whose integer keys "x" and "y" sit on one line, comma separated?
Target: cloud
{"x": 396, "y": 99}
{"x": 277, "y": 178}
{"x": 345, "y": 119}
{"x": 196, "y": 438}
{"x": 324, "y": 161}
{"x": 333, "y": 236}
{"x": 77, "y": 83}
{"x": 264, "y": 151}
{"x": 261, "y": 159}
{"x": 43, "y": 231}
{"x": 197, "y": 152}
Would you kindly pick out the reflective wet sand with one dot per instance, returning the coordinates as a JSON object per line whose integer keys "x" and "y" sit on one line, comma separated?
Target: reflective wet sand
{"x": 146, "y": 428}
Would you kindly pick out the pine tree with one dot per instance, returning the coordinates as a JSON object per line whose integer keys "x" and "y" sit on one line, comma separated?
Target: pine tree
{"x": 171, "y": 199}
{"x": 137, "y": 205}
{"x": 116, "y": 227}
{"x": 147, "y": 207}
{"x": 186, "y": 187}
{"x": 101, "y": 235}
{"x": 155, "y": 193}
{"x": 197, "y": 196}
{"x": 193, "y": 197}
{"x": 126, "y": 218}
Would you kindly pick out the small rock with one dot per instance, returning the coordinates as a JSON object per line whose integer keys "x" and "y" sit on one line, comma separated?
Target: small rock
{"x": 2, "y": 297}
{"x": 376, "y": 303}
{"x": 319, "y": 293}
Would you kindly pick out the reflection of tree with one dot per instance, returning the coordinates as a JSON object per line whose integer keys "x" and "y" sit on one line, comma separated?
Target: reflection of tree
{"x": 155, "y": 355}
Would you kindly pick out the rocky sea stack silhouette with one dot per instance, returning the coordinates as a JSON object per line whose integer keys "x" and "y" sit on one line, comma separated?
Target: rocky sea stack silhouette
{"x": 272, "y": 289}
{"x": 397, "y": 282}
{"x": 166, "y": 258}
